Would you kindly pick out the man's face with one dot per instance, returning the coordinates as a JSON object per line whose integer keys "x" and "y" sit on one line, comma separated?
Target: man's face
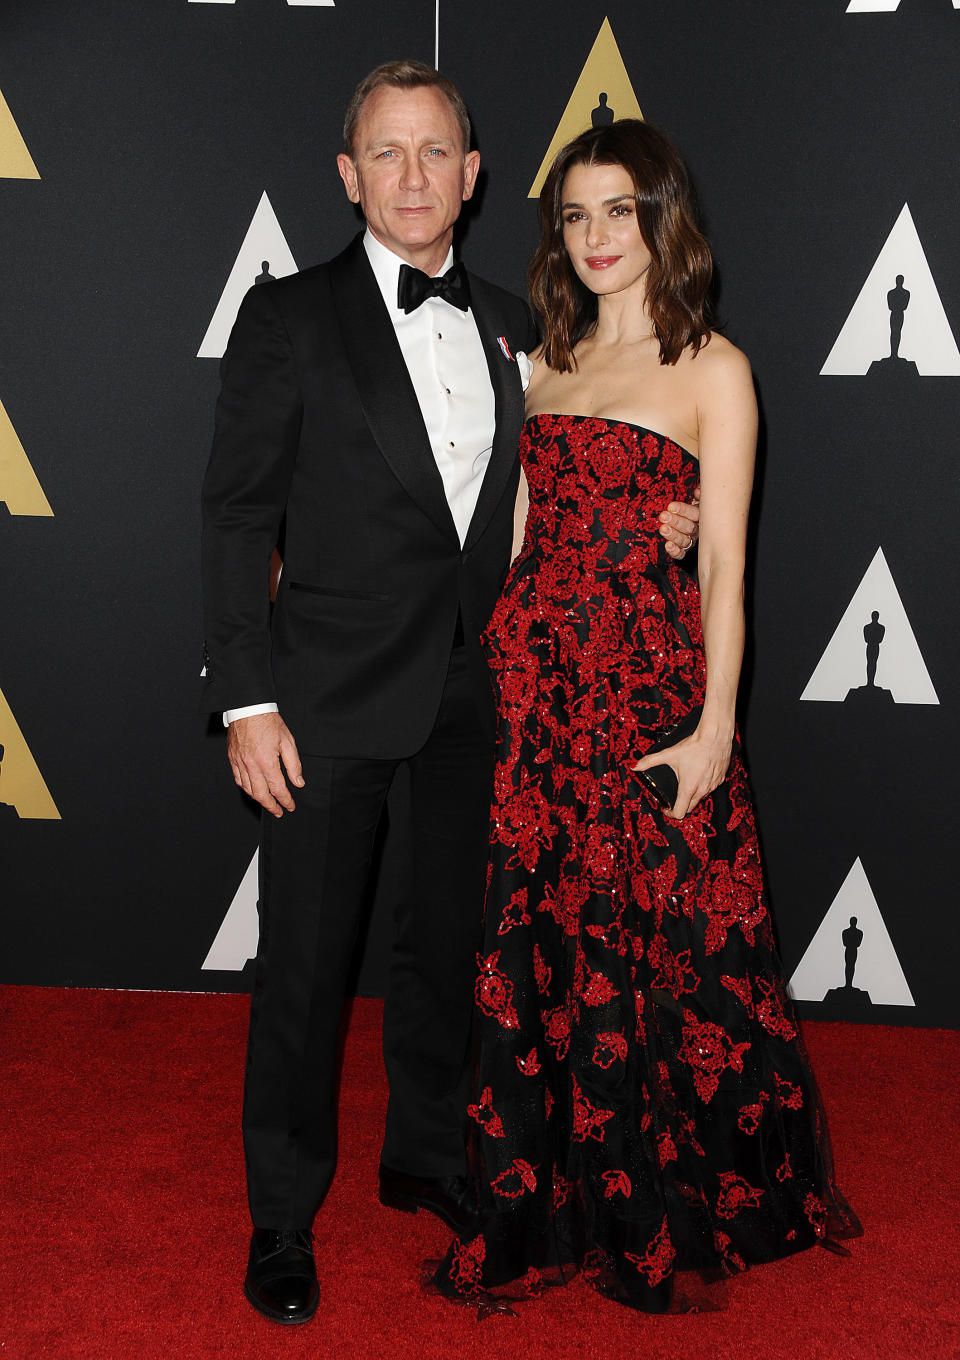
{"x": 410, "y": 172}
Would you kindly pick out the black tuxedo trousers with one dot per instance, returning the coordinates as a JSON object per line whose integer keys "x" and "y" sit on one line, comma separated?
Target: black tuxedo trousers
{"x": 314, "y": 865}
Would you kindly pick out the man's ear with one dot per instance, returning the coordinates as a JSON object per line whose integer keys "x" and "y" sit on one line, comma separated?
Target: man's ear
{"x": 348, "y": 173}
{"x": 471, "y": 166}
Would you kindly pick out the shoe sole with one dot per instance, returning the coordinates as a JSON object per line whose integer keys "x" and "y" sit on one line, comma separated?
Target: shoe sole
{"x": 283, "y": 1318}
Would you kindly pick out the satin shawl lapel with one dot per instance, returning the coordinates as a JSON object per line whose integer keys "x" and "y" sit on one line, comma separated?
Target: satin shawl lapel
{"x": 387, "y": 395}
{"x": 508, "y": 398}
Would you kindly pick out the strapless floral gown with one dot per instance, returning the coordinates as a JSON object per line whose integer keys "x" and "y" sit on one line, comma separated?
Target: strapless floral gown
{"x": 643, "y": 1104}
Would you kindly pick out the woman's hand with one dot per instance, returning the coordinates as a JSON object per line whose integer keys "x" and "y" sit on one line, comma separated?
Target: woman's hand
{"x": 700, "y": 764}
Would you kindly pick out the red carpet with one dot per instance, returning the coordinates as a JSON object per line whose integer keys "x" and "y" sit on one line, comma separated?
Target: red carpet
{"x": 124, "y": 1226}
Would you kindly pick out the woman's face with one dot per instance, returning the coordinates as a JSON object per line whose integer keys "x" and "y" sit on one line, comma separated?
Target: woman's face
{"x": 600, "y": 229}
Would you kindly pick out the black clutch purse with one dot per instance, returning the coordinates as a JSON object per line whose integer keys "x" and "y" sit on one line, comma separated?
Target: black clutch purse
{"x": 661, "y": 780}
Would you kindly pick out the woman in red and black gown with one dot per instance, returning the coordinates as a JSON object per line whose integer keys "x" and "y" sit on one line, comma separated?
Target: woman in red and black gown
{"x": 643, "y": 1103}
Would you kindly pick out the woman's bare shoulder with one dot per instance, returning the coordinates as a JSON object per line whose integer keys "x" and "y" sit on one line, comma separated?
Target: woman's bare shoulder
{"x": 718, "y": 358}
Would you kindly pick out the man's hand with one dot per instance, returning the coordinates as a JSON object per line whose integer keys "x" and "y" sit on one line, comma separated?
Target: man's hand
{"x": 259, "y": 749}
{"x": 680, "y": 524}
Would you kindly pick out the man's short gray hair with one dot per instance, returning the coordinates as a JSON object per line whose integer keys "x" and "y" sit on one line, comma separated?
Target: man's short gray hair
{"x": 403, "y": 75}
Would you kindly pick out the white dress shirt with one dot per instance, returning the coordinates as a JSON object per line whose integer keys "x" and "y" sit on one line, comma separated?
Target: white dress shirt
{"x": 444, "y": 356}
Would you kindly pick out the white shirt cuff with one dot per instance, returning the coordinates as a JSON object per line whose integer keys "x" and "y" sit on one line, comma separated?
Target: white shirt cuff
{"x": 250, "y": 711}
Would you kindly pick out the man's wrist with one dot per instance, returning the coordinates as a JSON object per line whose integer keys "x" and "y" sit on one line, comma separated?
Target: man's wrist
{"x": 248, "y": 711}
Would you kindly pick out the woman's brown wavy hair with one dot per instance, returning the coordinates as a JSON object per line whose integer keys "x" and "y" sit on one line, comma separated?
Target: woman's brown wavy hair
{"x": 681, "y": 267}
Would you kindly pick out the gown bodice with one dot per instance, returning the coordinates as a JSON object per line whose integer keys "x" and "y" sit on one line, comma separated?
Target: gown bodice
{"x": 593, "y": 598}
{"x": 598, "y": 486}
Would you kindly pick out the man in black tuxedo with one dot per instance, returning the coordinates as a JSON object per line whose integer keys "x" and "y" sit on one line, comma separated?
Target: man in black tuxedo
{"x": 369, "y": 416}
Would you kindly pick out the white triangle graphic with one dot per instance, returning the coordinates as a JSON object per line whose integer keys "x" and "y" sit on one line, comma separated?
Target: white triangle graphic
{"x": 927, "y": 339}
{"x": 236, "y": 940}
{"x": 877, "y": 968}
{"x": 264, "y": 242}
{"x": 900, "y": 666}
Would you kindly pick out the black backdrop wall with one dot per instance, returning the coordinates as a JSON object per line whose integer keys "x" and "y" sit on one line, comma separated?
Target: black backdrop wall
{"x": 137, "y": 143}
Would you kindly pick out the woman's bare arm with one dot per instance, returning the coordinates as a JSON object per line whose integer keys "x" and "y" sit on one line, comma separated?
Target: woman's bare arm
{"x": 520, "y": 508}
{"x": 727, "y": 411}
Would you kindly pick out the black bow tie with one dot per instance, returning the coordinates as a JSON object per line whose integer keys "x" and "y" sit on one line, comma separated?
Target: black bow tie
{"x": 415, "y": 287}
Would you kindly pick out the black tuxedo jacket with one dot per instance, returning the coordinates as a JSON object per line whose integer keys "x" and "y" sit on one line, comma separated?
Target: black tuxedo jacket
{"x": 319, "y": 444}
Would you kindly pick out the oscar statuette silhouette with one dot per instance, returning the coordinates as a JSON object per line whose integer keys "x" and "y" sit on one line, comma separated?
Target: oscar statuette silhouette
{"x": 894, "y": 365}
{"x": 8, "y": 812}
{"x": 848, "y": 998}
{"x": 871, "y": 697}
{"x": 602, "y": 115}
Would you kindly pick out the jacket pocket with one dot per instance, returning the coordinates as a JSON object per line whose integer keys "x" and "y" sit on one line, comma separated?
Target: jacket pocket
{"x": 339, "y": 594}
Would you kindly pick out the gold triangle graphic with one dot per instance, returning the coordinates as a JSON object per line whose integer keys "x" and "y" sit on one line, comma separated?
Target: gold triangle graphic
{"x": 15, "y": 160}
{"x": 21, "y": 783}
{"x": 603, "y": 74}
{"x": 18, "y": 481}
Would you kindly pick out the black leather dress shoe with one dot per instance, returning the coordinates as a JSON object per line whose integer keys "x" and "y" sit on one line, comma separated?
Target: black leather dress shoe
{"x": 449, "y": 1197}
{"x": 281, "y": 1280}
